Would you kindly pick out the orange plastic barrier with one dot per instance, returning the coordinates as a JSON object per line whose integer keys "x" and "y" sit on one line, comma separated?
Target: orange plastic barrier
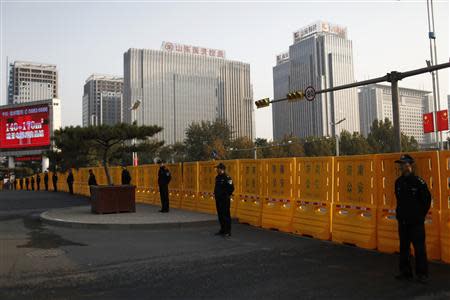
{"x": 387, "y": 172}
{"x": 277, "y": 206}
{"x": 206, "y": 181}
{"x": 313, "y": 197}
{"x": 190, "y": 186}
{"x": 444, "y": 160}
{"x": 249, "y": 207}
{"x": 354, "y": 208}
{"x": 176, "y": 185}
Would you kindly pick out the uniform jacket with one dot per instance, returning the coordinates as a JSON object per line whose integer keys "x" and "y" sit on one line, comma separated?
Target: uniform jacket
{"x": 164, "y": 176}
{"x": 224, "y": 187}
{"x": 70, "y": 179}
{"x": 413, "y": 199}
{"x": 46, "y": 177}
{"x": 92, "y": 180}
{"x": 126, "y": 177}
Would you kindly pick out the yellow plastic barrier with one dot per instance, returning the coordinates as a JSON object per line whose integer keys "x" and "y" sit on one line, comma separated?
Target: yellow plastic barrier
{"x": 249, "y": 208}
{"x": 313, "y": 197}
{"x": 176, "y": 185}
{"x": 142, "y": 184}
{"x": 354, "y": 208}
{"x": 151, "y": 178}
{"x": 190, "y": 186}
{"x": 206, "y": 180}
{"x": 277, "y": 206}
{"x": 387, "y": 172}
{"x": 444, "y": 160}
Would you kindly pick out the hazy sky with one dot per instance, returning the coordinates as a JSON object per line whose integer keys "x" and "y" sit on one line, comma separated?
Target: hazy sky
{"x": 85, "y": 37}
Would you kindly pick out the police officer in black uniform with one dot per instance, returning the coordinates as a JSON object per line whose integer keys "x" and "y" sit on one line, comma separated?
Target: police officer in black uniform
{"x": 46, "y": 180}
{"x": 126, "y": 177}
{"x": 27, "y": 183}
{"x": 32, "y": 183}
{"x": 164, "y": 178}
{"x": 55, "y": 181}
{"x": 38, "y": 182}
{"x": 223, "y": 190}
{"x": 92, "y": 180}
{"x": 21, "y": 183}
{"x": 70, "y": 179}
{"x": 413, "y": 203}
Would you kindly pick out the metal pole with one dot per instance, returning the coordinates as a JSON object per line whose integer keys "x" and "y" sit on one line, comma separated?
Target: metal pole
{"x": 256, "y": 152}
{"x": 337, "y": 143}
{"x": 396, "y": 113}
{"x": 438, "y": 96}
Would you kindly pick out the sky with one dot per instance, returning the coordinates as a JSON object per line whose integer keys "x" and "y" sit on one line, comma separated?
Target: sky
{"x": 85, "y": 37}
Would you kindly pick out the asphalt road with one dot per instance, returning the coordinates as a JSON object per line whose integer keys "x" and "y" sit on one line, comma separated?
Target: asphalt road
{"x": 44, "y": 262}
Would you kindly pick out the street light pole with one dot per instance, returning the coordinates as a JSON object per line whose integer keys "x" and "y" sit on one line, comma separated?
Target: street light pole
{"x": 336, "y": 135}
{"x": 134, "y": 119}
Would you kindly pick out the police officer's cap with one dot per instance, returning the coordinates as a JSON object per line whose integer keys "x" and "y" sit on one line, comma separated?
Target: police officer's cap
{"x": 405, "y": 159}
{"x": 221, "y": 166}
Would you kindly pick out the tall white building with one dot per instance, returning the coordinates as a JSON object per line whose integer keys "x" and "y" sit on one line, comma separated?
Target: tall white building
{"x": 31, "y": 81}
{"x": 181, "y": 84}
{"x": 375, "y": 103}
{"x": 102, "y": 100}
{"x": 320, "y": 56}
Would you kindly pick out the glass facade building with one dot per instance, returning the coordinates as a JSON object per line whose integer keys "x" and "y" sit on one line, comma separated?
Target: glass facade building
{"x": 178, "y": 88}
{"x": 322, "y": 57}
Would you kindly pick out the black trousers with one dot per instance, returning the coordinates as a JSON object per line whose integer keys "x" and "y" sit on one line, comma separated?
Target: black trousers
{"x": 415, "y": 234}
{"x": 46, "y": 186}
{"x": 70, "y": 188}
{"x": 223, "y": 213}
{"x": 38, "y": 186}
{"x": 55, "y": 186}
{"x": 164, "y": 195}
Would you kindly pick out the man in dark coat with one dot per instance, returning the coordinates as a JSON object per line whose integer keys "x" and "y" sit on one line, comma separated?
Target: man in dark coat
{"x": 32, "y": 183}
{"x": 413, "y": 203}
{"x": 46, "y": 180}
{"x": 38, "y": 182}
{"x": 126, "y": 177}
{"x": 55, "y": 181}
{"x": 164, "y": 178}
{"x": 223, "y": 190}
{"x": 92, "y": 180}
{"x": 21, "y": 183}
{"x": 27, "y": 183}
{"x": 70, "y": 181}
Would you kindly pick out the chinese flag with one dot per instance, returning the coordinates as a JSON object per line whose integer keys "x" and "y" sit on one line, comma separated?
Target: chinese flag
{"x": 442, "y": 120}
{"x": 428, "y": 125}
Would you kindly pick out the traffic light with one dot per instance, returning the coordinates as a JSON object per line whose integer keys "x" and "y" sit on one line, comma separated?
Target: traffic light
{"x": 295, "y": 96}
{"x": 262, "y": 103}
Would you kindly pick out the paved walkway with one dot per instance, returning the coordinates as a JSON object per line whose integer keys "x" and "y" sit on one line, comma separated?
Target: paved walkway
{"x": 145, "y": 217}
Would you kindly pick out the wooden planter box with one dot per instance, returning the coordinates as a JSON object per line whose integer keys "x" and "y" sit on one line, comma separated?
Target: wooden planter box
{"x": 113, "y": 199}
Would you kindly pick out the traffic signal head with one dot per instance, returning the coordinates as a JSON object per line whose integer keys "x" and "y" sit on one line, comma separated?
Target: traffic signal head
{"x": 295, "y": 96}
{"x": 262, "y": 103}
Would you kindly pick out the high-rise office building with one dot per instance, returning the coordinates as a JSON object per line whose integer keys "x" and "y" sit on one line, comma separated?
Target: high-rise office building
{"x": 31, "y": 81}
{"x": 181, "y": 84}
{"x": 321, "y": 56}
{"x": 102, "y": 100}
{"x": 375, "y": 103}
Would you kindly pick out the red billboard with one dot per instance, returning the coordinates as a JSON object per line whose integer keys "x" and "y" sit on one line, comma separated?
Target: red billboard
{"x": 24, "y": 127}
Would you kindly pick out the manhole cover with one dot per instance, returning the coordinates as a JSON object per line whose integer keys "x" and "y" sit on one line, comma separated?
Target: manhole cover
{"x": 46, "y": 253}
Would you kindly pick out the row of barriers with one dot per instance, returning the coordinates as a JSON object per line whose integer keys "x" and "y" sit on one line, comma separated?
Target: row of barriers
{"x": 346, "y": 199}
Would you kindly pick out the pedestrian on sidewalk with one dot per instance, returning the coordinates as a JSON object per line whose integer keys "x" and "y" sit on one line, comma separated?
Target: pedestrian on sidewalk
{"x": 164, "y": 178}
{"x": 92, "y": 180}
{"x": 55, "y": 181}
{"x": 126, "y": 177}
{"x": 46, "y": 180}
{"x": 38, "y": 182}
{"x": 70, "y": 181}
{"x": 32, "y": 183}
{"x": 223, "y": 190}
{"x": 27, "y": 183}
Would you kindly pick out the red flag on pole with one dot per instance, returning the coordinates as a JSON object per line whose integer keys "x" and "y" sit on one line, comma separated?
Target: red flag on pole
{"x": 442, "y": 120}
{"x": 428, "y": 125}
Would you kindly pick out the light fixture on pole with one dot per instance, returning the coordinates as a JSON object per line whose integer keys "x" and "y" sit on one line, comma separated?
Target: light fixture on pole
{"x": 336, "y": 134}
{"x": 133, "y": 109}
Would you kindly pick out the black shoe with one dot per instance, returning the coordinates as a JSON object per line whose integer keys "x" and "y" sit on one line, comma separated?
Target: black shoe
{"x": 402, "y": 276}
{"x": 163, "y": 211}
{"x": 219, "y": 233}
{"x": 423, "y": 279}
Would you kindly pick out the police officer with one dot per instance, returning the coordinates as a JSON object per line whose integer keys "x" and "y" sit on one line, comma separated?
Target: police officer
{"x": 32, "y": 183}
{"x": 46, "y": 180}
{"x": 413, "y": 203}
{"x": 223, "y": 190}
{"x": 164, "y": 178}
{"x": 126, "y": 177}
{"x": 92, "y": 180}
{"x": 21, "y": 183}
{"x": 27, "y": 183}
{"x": 38, "y": 182}
{"x": 55, "y": 181}
{"x": 70, "y": 181}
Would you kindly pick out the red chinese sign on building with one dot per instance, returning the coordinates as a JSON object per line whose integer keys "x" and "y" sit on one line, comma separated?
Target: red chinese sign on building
{"x": 173, "y": 47}
{"x": 24, "y": 127}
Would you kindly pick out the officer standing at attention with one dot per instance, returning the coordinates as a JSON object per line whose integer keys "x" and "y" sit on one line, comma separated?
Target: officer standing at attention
{"x": 46, "y": 180}
{"x": 27, "y": 183}
{"x": 126, "y": 177}
{"x": 413, "y": 203}
{"x": 70, "y": 181}
{"x": 38, "y": 182}
{"x": 223, "y": 190}
{"x": 92, "y": 180}
{"x": 32, "y": 183}
{"x": 21, "y": 183}
{"x": 164, "y": 178}
{"x": 55, "y": 181}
